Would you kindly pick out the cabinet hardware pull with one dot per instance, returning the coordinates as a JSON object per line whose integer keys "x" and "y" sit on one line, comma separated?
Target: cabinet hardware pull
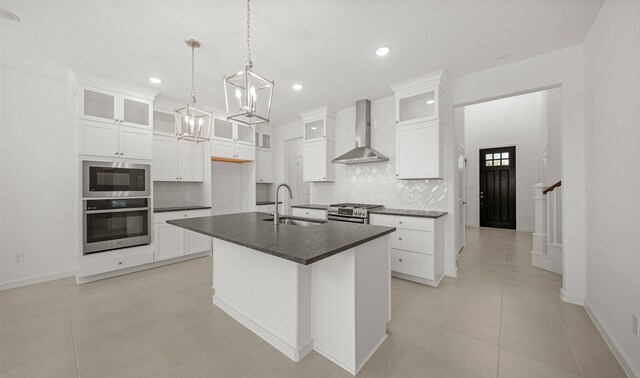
{"x": 400, "y": 260}
{"x": 120, "y": 263}
{"x": 399, "y": 238}
{"x": 400, "y": 222}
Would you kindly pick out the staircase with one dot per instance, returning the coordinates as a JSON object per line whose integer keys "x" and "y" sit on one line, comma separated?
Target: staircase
{"x": 547, "y": 238}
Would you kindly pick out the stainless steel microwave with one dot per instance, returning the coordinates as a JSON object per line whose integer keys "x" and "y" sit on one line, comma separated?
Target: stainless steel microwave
{"x": 108, "y": 179}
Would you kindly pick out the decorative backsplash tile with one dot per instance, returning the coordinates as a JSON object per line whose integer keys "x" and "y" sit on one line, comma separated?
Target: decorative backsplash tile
{"x": 377, "y": 183}
{"x": 168, "y": 194}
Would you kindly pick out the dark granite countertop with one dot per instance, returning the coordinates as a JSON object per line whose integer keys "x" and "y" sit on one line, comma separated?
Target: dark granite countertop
{"x": 304, "y": 245}
{"x": 179, "y": 208}
{"x": 258, "y": 203}
{"x": 409, "y": 213}
{"x": 312, "y": 206}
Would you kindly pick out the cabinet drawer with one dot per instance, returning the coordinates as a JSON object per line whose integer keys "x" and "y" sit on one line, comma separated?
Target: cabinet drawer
{"x": 170, "y": 215}
{"x": 414, "y": 241}
{"x": 265, "y": 208}
{"x": 309, "y": 213}
{"x": 408, "y": 223}
{"x": 414, "y": 264}
{"x": 116, "y": 261}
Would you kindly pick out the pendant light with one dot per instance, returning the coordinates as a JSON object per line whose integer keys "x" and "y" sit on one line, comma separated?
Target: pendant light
{"x": 192, "y": 122}
{"x": 247, "y": 94}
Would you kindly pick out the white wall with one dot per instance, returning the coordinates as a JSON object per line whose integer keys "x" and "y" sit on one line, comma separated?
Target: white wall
{"x": 513, "y": 121}
{"x": 38, "y": 195}
{"x": 560, "y": 68}
{"x": 551, "y": 139}
{"x": 232, "y": 187}
{"x": 612, "y": 79}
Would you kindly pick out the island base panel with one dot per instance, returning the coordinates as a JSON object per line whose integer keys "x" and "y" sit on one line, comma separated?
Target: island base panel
{"x": 269, "y": 295}
{"x": 351, "y": 296}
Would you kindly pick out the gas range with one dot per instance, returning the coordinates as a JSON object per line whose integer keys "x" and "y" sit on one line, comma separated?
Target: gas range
{"x": 351, "y": 212}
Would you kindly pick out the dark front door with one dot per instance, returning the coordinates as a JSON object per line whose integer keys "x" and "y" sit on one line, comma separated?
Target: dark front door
{"x": 498, "y": 187}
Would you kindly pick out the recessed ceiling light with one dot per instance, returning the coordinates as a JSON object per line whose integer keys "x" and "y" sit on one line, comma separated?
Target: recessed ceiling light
{"x": 5, "y": 14}
{"x": 297, "y": 87}
{"x": 155, "y": 80}
{"x": 382, "y": 51}
{"x": 430, "y": 101}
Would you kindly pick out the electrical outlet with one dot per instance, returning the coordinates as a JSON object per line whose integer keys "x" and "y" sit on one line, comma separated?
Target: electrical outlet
{"x": 636, "y": 325}
{"x": 18, "y": 257}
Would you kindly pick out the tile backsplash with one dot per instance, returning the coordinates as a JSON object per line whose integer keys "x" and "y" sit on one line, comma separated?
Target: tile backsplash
{"x": 376, "y": 183}
{"x": 169, "y": 194}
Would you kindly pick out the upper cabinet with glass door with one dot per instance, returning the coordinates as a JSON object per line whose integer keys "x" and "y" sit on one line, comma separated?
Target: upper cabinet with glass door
{"x": 114, "y": 107}
{"x": 263, "y": 140}
{"x": 319, "y": 124}
{"x": 418, "y": 100}
{"x": 233, "y": 132}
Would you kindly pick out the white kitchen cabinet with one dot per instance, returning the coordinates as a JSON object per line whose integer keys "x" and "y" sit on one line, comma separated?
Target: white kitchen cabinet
{"x": 269, "y": 208}
{"x": 418, "y": 150}
{"x": 232, "y": 141}
{"x": 233, "y": 132}
{"x": 309, "y": 213}
{"x": 264, "y": 166}
{"x": 263, "y": 140}
{"x": 319, "y": 124}
{"x": 164, "y": 122}
{"x": 111, "y": 140}
{"x": 177, "y": 160}
{"x": 172, "y": 241}
{"x": 419, "y": 99}
{"x": 417, "y": 247}
{"x": 317, "y": 161}
{"x": 113, "y": 107}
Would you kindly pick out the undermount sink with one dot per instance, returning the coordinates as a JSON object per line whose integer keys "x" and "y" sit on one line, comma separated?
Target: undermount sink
{"x": 296, "y": 221}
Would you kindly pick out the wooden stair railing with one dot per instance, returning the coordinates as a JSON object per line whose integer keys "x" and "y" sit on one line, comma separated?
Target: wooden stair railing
{"x": 552, "y": 187}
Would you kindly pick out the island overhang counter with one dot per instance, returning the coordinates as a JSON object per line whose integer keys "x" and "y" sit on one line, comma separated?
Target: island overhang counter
{"x": 325, "y": 287}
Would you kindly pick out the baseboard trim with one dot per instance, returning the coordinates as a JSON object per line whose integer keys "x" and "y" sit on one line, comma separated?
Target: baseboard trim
{"x": 572, "y": 298}
{"x": 541, "y": 261}
{"x": 612, "y": 345}
{"x": 357, "y": 368}
{"x": 35, "y": 280}
{"x": 138, "y": 268}
{"x": 295, "y": 354}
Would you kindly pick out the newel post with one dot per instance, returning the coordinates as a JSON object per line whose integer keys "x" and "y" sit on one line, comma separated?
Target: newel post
{"x": 540, "y": 233}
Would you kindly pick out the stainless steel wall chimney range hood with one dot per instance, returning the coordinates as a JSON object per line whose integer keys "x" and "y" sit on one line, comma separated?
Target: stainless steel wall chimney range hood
{"x": 363, "y": 153}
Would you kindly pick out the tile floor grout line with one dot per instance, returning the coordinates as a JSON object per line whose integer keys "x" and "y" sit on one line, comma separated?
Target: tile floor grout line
{"x": 573, "y": 354}
{"x": 147, "y": 331}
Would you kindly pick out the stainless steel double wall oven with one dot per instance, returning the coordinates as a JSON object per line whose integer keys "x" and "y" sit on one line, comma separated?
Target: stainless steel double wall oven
{"x": 116, "y": 208}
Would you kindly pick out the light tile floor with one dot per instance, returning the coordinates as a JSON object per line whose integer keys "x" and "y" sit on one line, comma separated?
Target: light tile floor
{"x": 500, "y": 317}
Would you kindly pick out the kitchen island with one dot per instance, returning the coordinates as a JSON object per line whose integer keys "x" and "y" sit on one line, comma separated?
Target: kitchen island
{"x": 322, "y": 286}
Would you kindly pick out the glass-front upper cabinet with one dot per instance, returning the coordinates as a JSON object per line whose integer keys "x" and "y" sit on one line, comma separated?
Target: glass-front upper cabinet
{"x": 244, "y": 134}
{"x": 98, "y": 105}
{"x": 106, "y": 106}
{"x": 223, "y": 129}
{"x": 422, "y": 106}
{"x": 263, "y": 140}
{"x": 164, "y": 122}
{"x": 319, "y": 124}
{"x": 418, "y": 100}
{"x": 135, "y": 111}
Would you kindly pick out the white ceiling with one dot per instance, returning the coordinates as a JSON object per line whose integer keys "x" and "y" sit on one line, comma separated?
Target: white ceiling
{"x": 326, "y": 45}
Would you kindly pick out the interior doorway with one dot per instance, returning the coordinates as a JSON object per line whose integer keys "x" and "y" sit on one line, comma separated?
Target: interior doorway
{"x": 498, "y": 187}
{"x": 302, "y": 187}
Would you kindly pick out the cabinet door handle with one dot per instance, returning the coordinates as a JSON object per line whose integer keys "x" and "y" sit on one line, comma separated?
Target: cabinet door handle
{"x": 177, "y": 178}
{"x": 400, "y": 260}
{"x": 400, "y": 222}
{"x": 119, "y": 262}
{"x": 117, "y": 153}
{"x": 399, "y": 238}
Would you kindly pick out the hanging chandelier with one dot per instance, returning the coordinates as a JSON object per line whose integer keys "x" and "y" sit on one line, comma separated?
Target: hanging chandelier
{"x": 247, "y": 94}
{"x": 192, "y": 122}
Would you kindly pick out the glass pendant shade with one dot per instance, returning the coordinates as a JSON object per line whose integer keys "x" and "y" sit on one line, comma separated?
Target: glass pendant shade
{"x": 193, "y": 124}
{"x": 248, "y": 97}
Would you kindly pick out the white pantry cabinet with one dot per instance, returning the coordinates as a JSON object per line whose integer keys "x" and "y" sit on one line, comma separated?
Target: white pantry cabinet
{"x": 233, "y": 132}
{"x": 232, "y": 141}
{"x": 177, "y": 160}
{"x": 418, "y": 154}
{"x": 232, "y": 151}
{"x": 317, "y": 161}
{"x": 264, "y": 166}
{"x": 112, "y": 140}
{"x": 112, "y": 107}
{"x": 309, "y": 213}
{"x": 417, "y": 247}
{"x": 172, "y": 241}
